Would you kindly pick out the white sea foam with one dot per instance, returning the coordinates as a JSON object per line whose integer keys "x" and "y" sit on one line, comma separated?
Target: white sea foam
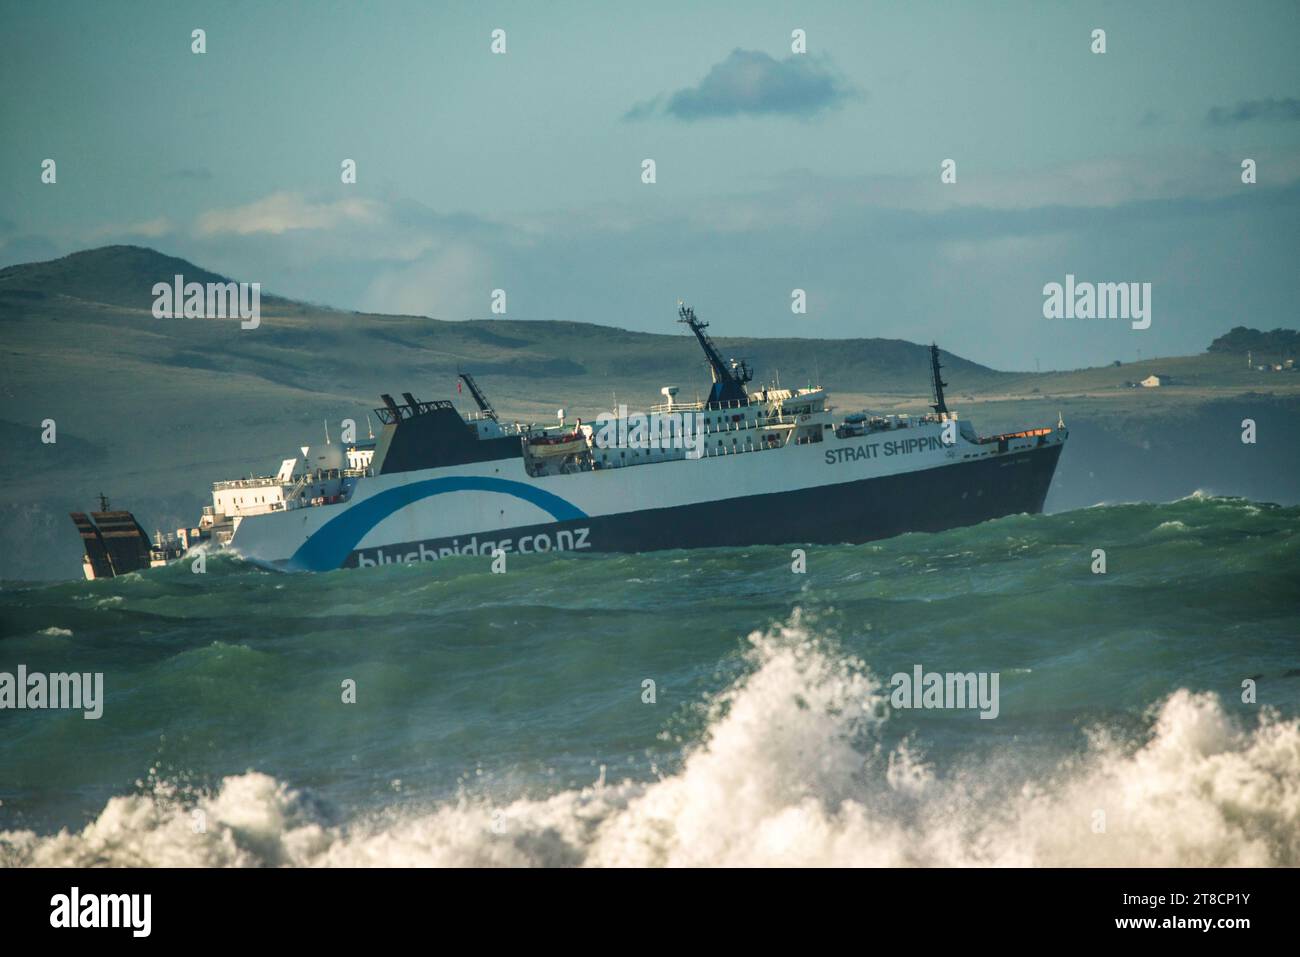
{"x": 789, "y": 773}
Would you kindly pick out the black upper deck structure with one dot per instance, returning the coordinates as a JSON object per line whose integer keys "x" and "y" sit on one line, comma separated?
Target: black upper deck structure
{"x": 430, "y": 435}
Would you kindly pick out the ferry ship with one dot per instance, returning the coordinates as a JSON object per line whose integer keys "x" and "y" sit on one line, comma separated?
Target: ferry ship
{"x": 767, "y": 466}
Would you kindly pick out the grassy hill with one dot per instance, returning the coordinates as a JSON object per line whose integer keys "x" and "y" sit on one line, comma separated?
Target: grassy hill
{"x": 151, "y": 411}
{"x": 103, "y": 299}
{"x": 111, "y": 275}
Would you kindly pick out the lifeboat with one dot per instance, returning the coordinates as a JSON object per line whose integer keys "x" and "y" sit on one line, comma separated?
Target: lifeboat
{"x": 557, "y": 446}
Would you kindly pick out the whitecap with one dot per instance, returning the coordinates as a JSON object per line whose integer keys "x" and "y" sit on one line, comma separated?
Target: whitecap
{"x": 790, "y": 772}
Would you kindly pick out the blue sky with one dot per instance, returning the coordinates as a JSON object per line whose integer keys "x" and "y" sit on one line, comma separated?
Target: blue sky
{"x": 775, "y": 171}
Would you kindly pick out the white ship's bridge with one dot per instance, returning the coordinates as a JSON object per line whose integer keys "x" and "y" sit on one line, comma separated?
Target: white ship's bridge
{"x": 322, "y": 475}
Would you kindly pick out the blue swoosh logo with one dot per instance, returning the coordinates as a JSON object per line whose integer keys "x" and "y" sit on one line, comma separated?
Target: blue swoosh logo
{"x": 339, "y": 537}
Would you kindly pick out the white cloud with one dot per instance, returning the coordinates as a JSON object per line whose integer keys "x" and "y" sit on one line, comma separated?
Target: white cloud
{"x": 148, "y": 229}
{"x": 280, "y": 212}
{"x": 454, "y": 282}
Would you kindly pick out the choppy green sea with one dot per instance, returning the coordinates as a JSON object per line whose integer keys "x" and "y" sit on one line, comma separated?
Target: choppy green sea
{"x": 701, "y": 707}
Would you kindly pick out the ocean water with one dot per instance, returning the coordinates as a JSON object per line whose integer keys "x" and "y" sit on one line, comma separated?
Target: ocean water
{"x": 504, "y": 720}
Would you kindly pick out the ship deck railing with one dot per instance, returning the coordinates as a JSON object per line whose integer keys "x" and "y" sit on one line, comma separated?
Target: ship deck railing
{"x": 748, "y": 425}
{"x": 763, "y": 422}
{"x": 295, "y": 481}
{"x": 712, "y": 452}
{"x": 700, "y": 405}
{"x": 261, "y": 481}
{"x": 1023, "y": 434}
{"x": 709, "y": 452}
{"x": 759, "y": 422}
{"x": 399, "y": 412}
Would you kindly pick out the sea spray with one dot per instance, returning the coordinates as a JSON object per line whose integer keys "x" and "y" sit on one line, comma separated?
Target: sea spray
{"x": 790, "y": 772}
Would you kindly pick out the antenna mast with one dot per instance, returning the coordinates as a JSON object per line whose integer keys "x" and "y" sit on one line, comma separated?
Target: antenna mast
{"x": 940, "y": 405}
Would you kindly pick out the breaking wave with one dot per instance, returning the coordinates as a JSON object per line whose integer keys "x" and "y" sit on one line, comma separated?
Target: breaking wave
{"x": 790, "y": 771}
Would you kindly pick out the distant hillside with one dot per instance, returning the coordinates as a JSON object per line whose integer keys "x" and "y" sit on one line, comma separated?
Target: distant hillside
{"x": 318, "y": 346}
{"x": 113, "y": 275}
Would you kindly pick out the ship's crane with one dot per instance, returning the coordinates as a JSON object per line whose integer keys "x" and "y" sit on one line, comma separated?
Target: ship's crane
{"x": 728, "y": 378}
{"x": 484, "y": 405}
